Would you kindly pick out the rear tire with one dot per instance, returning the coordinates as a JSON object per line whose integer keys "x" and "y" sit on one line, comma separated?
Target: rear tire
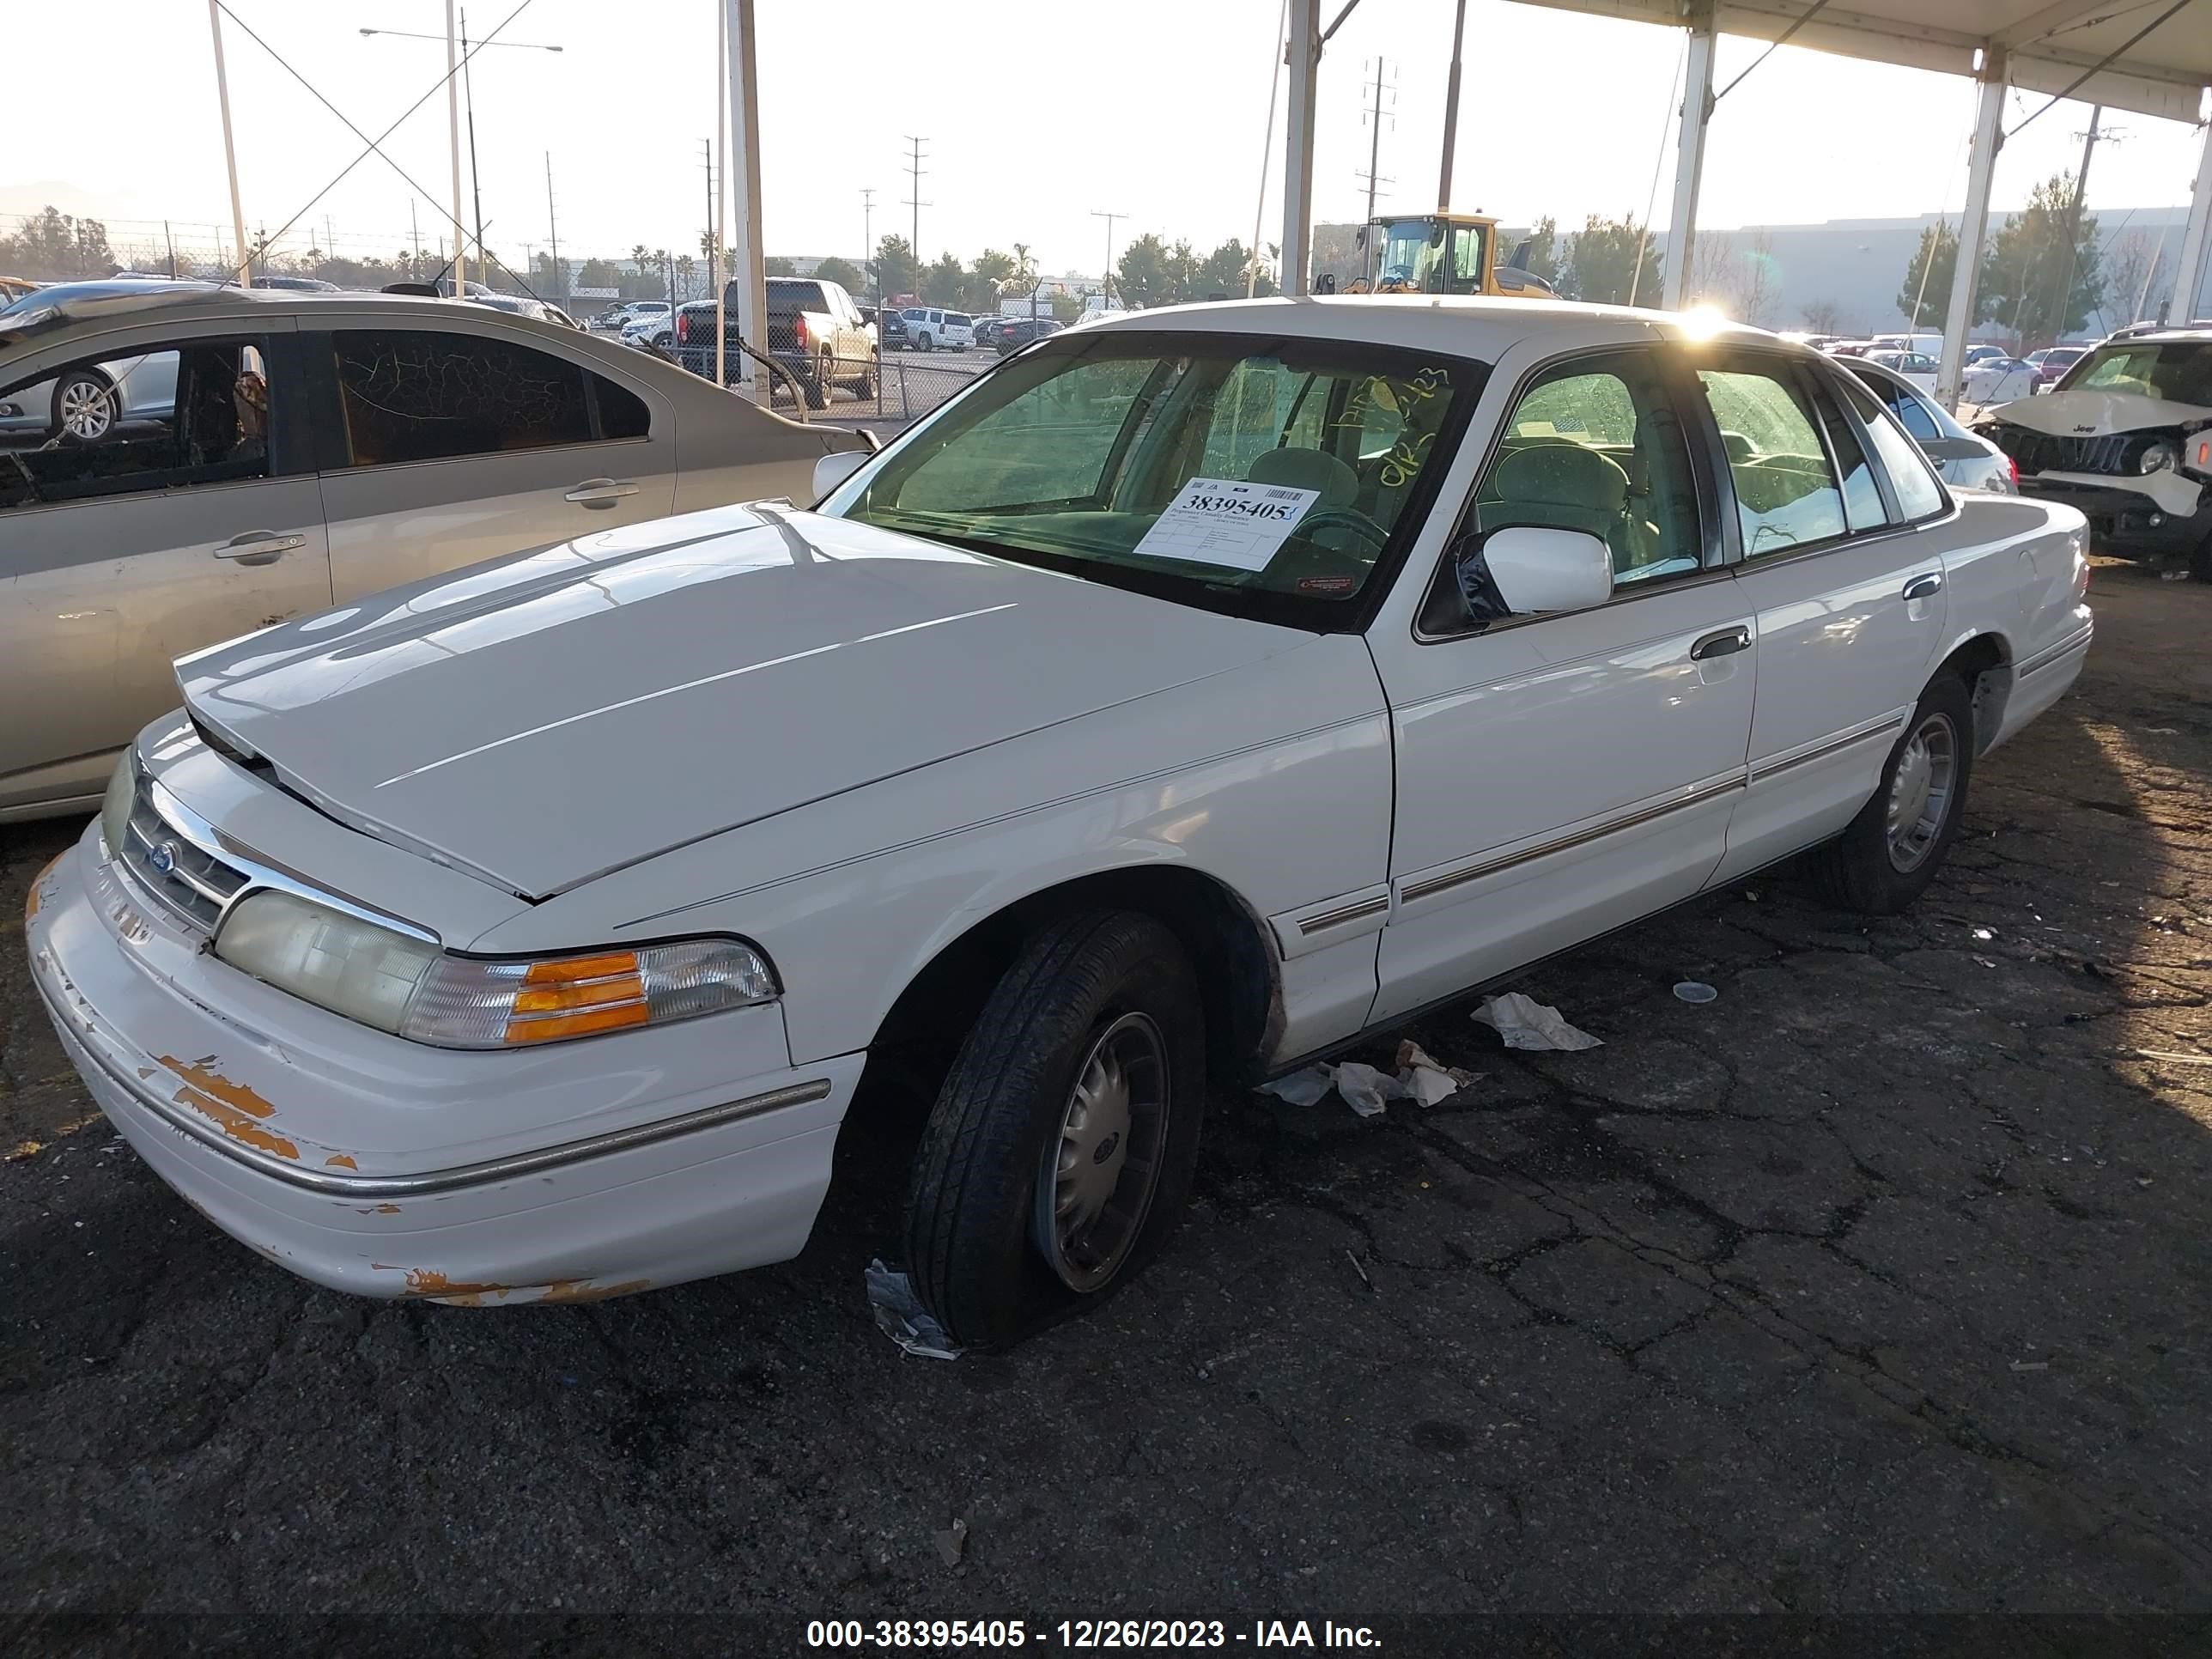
{"x": 87, "y": 407}
{"x": 922, "y": 343}
{"x": 1892, "y": 850}
{"x": 1057, "y": 1159}
{"x": 819, "y": 387}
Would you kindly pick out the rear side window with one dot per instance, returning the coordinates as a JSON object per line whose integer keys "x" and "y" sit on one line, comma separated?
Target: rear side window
{"x": 1785, "y": 490}
{"x": 421, "y": 396}
{"x": 1918, "y": 495}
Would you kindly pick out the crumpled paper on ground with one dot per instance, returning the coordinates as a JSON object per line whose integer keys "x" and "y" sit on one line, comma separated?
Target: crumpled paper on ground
{"x": 902, "y": 1318}
{"x": 1525, "y": 1023}
{"x": 1367, "y": 1089}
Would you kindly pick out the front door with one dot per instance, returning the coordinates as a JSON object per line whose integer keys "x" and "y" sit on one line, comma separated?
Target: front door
{"x": 1559, "y": 775}
{"x": 184, "y": 526}
{"x": 454, "y": 446}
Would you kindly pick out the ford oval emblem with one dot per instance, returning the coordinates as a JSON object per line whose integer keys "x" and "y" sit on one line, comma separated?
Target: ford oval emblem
{"x": 163, "y": 858}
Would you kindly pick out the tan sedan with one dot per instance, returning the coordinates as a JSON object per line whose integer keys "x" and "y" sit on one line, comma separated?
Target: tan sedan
{"x": 318, "y": 447}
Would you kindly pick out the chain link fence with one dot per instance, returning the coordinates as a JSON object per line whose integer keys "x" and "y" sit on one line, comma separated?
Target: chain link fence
{"x": 894, "y": 386}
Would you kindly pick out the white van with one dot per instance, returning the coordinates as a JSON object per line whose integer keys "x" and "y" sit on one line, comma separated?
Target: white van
{"x": 929, "y": 328}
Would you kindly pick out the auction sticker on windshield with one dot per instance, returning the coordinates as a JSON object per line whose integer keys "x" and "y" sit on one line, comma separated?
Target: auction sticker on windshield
{"x": 1228, "y": 522}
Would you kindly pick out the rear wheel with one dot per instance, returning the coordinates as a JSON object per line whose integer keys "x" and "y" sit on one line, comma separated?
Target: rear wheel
{"x": 923, "y": 342}
{"x": 819, "y": 386}
{"x": 86, "y": 407}
{"x": 1057, "y": 1159}
{"x": 1891, "y": 851}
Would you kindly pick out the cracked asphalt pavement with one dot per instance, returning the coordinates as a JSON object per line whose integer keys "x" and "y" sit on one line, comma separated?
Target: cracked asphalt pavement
{"x": 1878, "y": 1284}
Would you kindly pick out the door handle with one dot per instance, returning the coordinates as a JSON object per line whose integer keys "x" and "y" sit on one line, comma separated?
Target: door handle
{"x": 1925, "y": 586}
{"x": 600, "y": 492}
{"x": 259, "y": 547}
{"x": 1726, "y": 643}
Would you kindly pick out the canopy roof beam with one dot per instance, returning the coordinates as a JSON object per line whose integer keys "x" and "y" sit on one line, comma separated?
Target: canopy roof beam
{"x": 1973, "y": 225}
{"x": 1690, "y": 150}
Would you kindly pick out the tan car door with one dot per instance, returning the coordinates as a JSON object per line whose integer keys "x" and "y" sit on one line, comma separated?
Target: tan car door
{"x": 116, "y": 557}
{"x": 457, "y": 443}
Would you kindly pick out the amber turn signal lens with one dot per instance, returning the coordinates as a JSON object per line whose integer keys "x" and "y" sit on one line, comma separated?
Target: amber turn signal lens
{"x": 577, "y": 1024}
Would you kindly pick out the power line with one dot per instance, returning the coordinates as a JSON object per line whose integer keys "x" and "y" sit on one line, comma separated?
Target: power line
{"x": 914, "y": 198}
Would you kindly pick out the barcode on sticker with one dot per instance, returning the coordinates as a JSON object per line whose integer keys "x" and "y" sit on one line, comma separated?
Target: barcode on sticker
{"x": 1286, "y": 494}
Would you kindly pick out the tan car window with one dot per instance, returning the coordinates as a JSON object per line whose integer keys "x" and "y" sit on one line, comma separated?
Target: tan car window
{"x": 162, "y": 417}
{"x": 420, "y": 396}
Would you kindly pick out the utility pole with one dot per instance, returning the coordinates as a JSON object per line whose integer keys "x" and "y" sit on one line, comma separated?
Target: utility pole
{"x": 229, "y": 149}
{"x": 1374, "y": 113}
{"x": 868, "y": 260}
{"x": 552, "y": 228}
{"x": 414, "y": 229}
{"x": 914, "y": 200}
{"x": 476, "y": 182}
{"x": 1110, "y": 218}
{"x": 2074, "y": 221}
{"x": 453, "y": 146}
{"x": 707, "y": 146}
{"x": 172, "y": 242}
{"x": 1451, "y": 114}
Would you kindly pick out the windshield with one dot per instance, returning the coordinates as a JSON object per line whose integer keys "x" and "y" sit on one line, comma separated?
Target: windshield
{"x": 1268, "y": 478}
{"x": 2178, "y": 371}
{"x": 1426, "y": 256}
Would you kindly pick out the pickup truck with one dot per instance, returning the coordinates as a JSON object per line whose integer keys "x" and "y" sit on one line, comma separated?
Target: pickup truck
{"x": 814, "y": 330}
{"x": 524, "y": 935}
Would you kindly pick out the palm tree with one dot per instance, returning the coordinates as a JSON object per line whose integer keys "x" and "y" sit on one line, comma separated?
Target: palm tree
{"x": 1025, "y": 276}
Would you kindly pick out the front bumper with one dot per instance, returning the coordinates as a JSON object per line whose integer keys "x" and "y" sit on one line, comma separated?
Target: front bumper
{"x": 2127, "y": 523}
{"x": 240, "y": 1098}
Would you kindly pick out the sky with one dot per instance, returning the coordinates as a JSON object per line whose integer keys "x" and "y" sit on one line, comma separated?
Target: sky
{"x": 1034, "y": 119}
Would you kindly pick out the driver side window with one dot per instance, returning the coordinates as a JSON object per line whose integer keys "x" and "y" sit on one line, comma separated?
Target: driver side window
{"x": 1593, "y": 446}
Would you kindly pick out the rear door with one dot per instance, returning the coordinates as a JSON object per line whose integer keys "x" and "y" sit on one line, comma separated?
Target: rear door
{"x": 449, "y": 445}
{"x": 1848, "y": 588}
{"x": 189, "y": 525}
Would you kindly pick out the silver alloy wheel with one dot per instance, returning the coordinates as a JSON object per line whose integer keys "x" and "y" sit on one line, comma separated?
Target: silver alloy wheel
{"x": 88, "y": 408}
{"x": 1095, "y": 1178}
{"x": 1920, "y": 790}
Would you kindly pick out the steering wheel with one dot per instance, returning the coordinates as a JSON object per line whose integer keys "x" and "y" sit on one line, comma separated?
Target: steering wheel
{"x": 1346, "y": 518}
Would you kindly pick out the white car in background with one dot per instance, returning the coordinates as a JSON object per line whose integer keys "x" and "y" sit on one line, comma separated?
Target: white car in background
{"x": 90, "y": 401}
{"x": 614, "y": 318}
{"x": 1912, "y": 366}
{"x": 1965, "y": 460}
{"x": 1998, "y": 381}
{"x": 523, "y": 934}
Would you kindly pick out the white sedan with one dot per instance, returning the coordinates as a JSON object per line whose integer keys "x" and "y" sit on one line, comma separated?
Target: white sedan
{"x": 1197, "y": 693}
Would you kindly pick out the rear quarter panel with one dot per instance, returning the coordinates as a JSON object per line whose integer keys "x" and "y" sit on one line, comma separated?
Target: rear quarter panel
{"x": 2012, "y": 568}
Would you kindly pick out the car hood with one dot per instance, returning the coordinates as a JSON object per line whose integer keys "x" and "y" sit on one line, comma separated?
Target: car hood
{"x": 2096, "y": 414}
{"x": 546, "y": 719}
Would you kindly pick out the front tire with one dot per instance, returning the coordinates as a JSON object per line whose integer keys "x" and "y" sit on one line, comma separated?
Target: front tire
{"x": 1058, "y": 1156}
{"x": 1892, "y": 850}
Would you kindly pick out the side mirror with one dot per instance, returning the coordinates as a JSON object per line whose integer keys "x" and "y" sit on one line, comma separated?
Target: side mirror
{"x": 833, "y": 470}
{"x": 1537, "y": 570}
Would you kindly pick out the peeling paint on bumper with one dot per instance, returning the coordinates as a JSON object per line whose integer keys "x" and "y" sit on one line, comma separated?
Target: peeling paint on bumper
{"x": 735, "y": 1194}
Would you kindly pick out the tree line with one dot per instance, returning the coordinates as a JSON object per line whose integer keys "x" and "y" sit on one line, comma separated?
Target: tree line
{"x": 2044, "y": 273}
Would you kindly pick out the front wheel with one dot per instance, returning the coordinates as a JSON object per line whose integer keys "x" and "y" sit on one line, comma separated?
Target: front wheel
{"x": 1891, "y": 851}
{"x": 1058, "y": 1156}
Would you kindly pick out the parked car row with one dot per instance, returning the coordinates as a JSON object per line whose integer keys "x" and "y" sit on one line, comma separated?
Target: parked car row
{"x": 228, "y": 458}
{"x": 524, "y": 932}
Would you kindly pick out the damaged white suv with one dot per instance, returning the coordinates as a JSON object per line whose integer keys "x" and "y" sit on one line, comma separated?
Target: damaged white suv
{"x": 2125, "y": 436}
{"x": 1198, "y": 692}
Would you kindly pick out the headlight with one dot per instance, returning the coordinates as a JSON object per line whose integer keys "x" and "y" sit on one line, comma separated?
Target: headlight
{"x": 2156, "y": 457}
{"x": 411, "y": 988}
{"x": 115, "y": 810}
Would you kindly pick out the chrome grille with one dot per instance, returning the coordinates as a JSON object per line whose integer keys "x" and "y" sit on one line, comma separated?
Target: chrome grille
{"x": 2043, "y": 451}
{"x": 192, "y": 883}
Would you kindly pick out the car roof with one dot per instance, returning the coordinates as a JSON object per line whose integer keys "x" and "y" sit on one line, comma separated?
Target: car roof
{"x": 70, "y": 305}
{"x": 1463, "y": 326}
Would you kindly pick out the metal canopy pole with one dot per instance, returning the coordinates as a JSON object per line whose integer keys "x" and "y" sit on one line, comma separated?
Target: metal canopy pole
{"x": 1305, "y": 59}
{"x": 2189, "y": 275}
{"x": 1690, "y": 149}
{"x": 229, "y": 150}
{"x": 1451, "y": 112}
{"x": 1973, "y": 224}
{"x": 748, "y": 274}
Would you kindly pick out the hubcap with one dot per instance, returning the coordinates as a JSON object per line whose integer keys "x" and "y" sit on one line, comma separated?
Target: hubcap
{"x": 1095, "y": 1178}
{"x": 1920, "y": 790}
{"x": 86, "y": 409}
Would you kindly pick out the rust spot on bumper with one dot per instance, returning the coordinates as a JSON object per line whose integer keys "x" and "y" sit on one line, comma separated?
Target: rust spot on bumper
{"x": 584, "y": 1289}
{"x": 420, "y": 1281}
{"x": 340, "y": 1161}
{"x": 233, "y": 1108}
{"x": 36, "y": 898}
